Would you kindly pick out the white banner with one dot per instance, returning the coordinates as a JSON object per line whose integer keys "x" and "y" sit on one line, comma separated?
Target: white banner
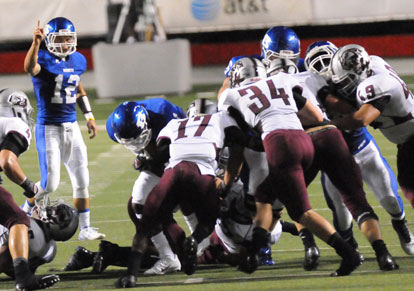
{"x": 211, "y": 15}
{"x": 19, "y": 17}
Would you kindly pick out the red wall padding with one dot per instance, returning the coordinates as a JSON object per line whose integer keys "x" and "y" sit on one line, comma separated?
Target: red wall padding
{"x": 12, "y": 62}
{"x": 221, "y": 53}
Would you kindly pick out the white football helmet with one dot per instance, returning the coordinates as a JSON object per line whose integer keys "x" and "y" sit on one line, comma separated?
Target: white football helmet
{"x": 246, "y": 71}
{"x": 350, "y": 66}
{"x": 318, "y": 58}
{"x": 281, "y": 65}
{"x": 201, "y": 106}
{"x": 15, "y": 103}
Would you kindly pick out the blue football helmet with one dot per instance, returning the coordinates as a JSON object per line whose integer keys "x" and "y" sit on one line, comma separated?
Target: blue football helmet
{"x": 280, "y": 42}
{"x": 318, "y": 58}
{"x": 129, "y": 124}
{"x": 60, "y": 37}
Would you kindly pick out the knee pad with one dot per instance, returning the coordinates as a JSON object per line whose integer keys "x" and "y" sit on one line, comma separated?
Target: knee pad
{"x": 363, "y": 216}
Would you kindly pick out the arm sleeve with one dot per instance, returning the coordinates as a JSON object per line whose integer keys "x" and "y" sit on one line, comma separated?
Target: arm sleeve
{"x": 15, "y": 142}
{"x": 299, "y": 99}
{"x": 380, "y": 103}
{"x": 160, "y": 157}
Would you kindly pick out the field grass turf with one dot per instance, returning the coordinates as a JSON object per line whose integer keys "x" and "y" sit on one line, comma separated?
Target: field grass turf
{"x": 112, "y": 178}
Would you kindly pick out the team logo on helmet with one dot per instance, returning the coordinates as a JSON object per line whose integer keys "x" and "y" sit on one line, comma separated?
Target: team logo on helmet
{"x": 141, "y": 120}
{"x": 17, "y": 100}
{"x": 353, "y": 61}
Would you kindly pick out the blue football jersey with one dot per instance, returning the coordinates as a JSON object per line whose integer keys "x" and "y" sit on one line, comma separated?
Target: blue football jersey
{"x": 160, "y": 112}
{"x": 56, "y": 87}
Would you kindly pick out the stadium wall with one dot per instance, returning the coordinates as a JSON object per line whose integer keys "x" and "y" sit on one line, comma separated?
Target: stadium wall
{"x": 202, "y": 54}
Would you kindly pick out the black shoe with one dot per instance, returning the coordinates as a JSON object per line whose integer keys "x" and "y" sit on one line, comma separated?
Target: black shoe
{"x": 189, "y": 258}
{"x": 265, "y": 257}
{"x": 353, "y": 243}
{"x": 386, "y": 262}
{"x": 249, "y": 262}
{"x": 311, "y": 261}
{"x": 127, "y": 281}
{"x": 36, "y": 283}
{"x": 348, "y": 264}
{"x": 82, "y": 258}
{"x": 101, "y": 259}
{"x": 404, "y": 235}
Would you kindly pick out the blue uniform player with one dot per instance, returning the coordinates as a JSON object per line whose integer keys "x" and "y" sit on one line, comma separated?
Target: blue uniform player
{"x": 57, "y": 86}
{"x": 136, "y": 125}
{"x": 376, "y": 172}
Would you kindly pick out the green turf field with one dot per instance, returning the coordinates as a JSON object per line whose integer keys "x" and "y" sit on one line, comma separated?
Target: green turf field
{"x": 112, "y": 178}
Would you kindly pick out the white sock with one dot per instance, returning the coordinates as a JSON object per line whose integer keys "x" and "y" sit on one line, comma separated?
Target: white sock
{"x": 191, "y": 221}
{"x": 84, "y": 218}
{"x": 161, "y": 244}
{"x": 27, "y": 207}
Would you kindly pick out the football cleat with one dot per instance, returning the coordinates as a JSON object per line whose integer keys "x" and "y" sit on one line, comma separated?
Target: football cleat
{"x": 386, "y": 262}
{"x": 37, "y": 282}
{"x": 82, "y": 258}
{"x": 265, "y": 257}
{"x": 102, "y": 258}
{"x": 127, "y": 281}
{"x": 90, "y": 233}
{"x": 249, "y": 262}
{"x": 311, "y": 261}
{"x": 165, "y": 266}
{"x": 348, "y": 265}
{"x": 189, "y": 262}
{"x": 353, "y": 243}
{"x": 405, "y": 236}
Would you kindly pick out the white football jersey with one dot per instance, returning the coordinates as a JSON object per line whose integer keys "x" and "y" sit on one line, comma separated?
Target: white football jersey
{"x": 14, "y": 124}
{"x": 197, "y": 139}
{"x": 266, "y": 105}
{"x": 396, "y": 121}
{"x": 311, "y": 84}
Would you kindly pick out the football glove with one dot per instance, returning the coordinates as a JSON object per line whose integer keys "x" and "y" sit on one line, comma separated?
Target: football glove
{"x": 30, "y": 188}
{"x": 141, "y": 162}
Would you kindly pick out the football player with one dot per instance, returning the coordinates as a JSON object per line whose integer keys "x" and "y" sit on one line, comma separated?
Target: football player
{"x": 330, "y": 146}
{"x": 274, "y": 104}
{"x": 56, "y": 81}
{"x": 49, "y": 224}
{"x": 234, "y": 229}
{"x": 383, "y": 101}
{"x": 279, "y": 42}
{"x": 376, "y": 172}
{"x": 15, "y": 137}
{"x": 136, "y": 125}
{"x": 190, "y": 147}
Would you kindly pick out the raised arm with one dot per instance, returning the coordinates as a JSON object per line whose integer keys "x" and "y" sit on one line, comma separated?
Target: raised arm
{"x": 30, "y": 62}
